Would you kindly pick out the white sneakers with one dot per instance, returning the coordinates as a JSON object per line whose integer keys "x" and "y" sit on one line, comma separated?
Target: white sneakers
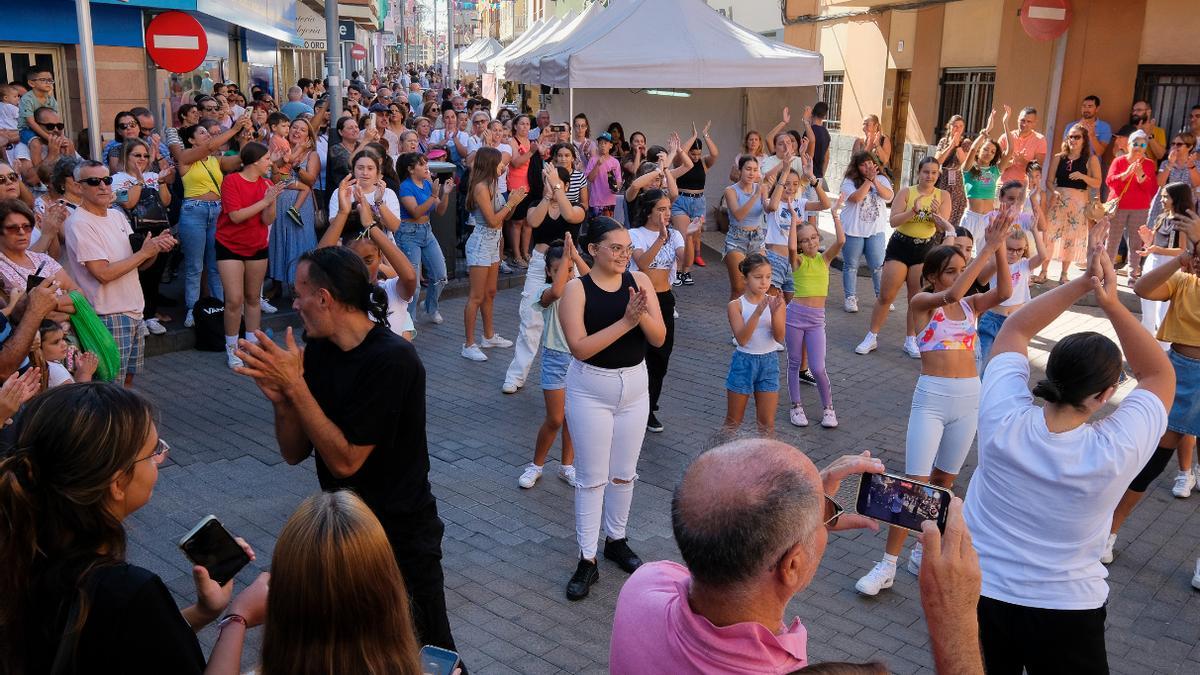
{"x": 911, "y": 348}
{"x": 1107, "y": 555}
{"x": 154, "y": 326}
{"x": 436, "y": 318}
{"x": 189, "y": 320}
{"x": 868, "y": 345}
{"x": 509, "y": 388}
{"x": 1196, "y": 577}
{"x": 914, "y": 559}
{"x": 851, "y": 304}
{"x": 1184, "y": 482}
{"x": 829, "y": 419}
{"x": 533, "y": 472}
{"x": 797, "y": 417}
{"x": 266, "y": 307}
{"x": 474, "y": 353}
{"x": 881, "y": 576}
{"x": 231, "y": 357}
{"x": 495, "y": 341}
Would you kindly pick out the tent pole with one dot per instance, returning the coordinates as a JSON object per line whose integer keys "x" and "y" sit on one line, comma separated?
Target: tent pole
{"x": 571, "y": 102}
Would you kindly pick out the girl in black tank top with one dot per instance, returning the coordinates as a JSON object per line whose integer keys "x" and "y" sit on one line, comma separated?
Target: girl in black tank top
{"x": 601, "y": 310}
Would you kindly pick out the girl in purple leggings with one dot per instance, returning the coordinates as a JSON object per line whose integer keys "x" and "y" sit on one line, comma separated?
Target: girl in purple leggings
{"x": 806, "y": 316}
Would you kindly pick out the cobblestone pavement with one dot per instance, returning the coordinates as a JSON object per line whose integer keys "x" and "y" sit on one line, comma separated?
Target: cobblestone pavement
{"x": 509, "y": 552}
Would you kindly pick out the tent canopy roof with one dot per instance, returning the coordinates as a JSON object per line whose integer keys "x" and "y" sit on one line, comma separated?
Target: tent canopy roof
{"x": 526, "y": 42}
{"x": 525, "y": 68}
{"x": 637, "y": 44}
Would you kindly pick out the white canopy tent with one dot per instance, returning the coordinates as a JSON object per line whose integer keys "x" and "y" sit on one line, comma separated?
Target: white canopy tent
{"x": 658, "y": 66}
{"x": 528, "y": 41}
{"x": 472, "y": 58}
{"x": 524, "y": 68}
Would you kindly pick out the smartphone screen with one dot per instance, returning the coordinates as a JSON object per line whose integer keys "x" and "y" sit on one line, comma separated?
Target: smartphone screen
{"x": 211, "y": 546}
{"x": 438, "y": 661}
{"x": 901, "y": 501}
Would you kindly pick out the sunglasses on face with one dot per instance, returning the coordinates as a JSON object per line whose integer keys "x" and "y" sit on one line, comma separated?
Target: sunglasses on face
{"x": 96, "y": 182}
{"x": 1075, "y": 138}
{"x": 6, "y": 178}
{"x": 1179, "y": 144}
{"x": 1138, "y": 145}
{"x": 15, "y": 229}
{"x": 54, "y": 126}
{"x": 141, "y": 155}
{"x": 128, "y": 125}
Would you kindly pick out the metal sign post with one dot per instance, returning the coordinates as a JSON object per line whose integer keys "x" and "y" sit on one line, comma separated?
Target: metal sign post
{"x": 87, "y": 57}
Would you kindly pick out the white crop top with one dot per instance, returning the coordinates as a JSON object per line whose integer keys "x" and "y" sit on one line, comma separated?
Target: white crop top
{"x": 779, "y": 221}
{"x": 761, "y": 340}
{"x": 643, "y": 239}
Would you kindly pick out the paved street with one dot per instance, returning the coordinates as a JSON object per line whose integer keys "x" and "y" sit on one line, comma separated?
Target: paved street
{"x": 509, "y": 552}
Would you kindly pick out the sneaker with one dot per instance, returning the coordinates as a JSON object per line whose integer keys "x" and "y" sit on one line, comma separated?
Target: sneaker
{"x": 678, "y": 279}
{"x": 530, "y": 476}
{"x": 295, "y": 216}
{"x": 674, "y": 314}
{"x": 566, "y": 474}
{"x": 505, "y": 269}
{"x": 189, "y": 320}
{"x": 868, "y": 345}
{"x": 231, "y": 357}
{"x": 653, "y": 425}
{"x": 266, "y": 307}
{"x": 618, "y": 551}
{"x": 687, "y": 279}
{"x": 881, "y": 576}
{"x": 1184, "y": 482}
{"x": 509, "y": 388}
{"x": 495, "y": 341}
{"x": 829, "y": 419}
{"x": 806, "y": 377}
{"x": 520, "y": 264}
{"x": 155, "y": 327}
{"x": 474, "y": 353}
{"x": 586, "y": 574}
{"x": 797, "y": 416}
{"x": 699, "y": 262}
{"x": 914, "y": 560}
{"x": 851, "y": 305}
{"x": 1106, "y": 556}
{"x": 892, "y": 307}
{"x": 911, "y": 348}
{"x": 436, "y": 318}
{"x": 1196, "y": 577}
{"x": 779, "y": 348}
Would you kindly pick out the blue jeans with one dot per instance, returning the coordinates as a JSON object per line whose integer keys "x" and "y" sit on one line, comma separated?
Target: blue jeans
{"x": 421, "y": 248}
{"x": 989, "y": 328}
{"x": 197, "y": 236}
{"x": 874, "y": 247}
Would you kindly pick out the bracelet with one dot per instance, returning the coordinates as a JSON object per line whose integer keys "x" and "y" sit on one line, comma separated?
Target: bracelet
{"x": 232, "y": 618}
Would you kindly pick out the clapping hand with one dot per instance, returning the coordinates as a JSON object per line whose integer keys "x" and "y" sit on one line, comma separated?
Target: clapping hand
{"x": 787, "y": 115}
{"x": 1104, "y": 277}
{"x": 636, "y": 307}
{"x": 277, "y": 371}
{"x": 18, "y": 389}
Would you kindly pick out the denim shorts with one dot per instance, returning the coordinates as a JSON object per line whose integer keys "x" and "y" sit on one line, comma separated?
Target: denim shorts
{"x": 554, "y": 369}
{"x": 745, "y": 240}
{"x": 752, "y": 373}
{"x": 1185, "y": 411}
{"x": 483, "y": 247}
{"x": 687, "y": 205}
{"x": 781, "y": 272}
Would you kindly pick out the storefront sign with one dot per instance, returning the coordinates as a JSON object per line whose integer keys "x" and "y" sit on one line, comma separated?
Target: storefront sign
{"x": 176, "y": 42}
{"x": 346, "y": 30}
{"x": 310, "y": 26}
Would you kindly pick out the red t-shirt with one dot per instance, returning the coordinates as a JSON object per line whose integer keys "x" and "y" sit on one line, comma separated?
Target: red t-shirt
{"x": 249, "y": 236}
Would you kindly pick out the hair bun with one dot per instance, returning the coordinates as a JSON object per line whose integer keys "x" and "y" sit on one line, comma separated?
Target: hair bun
{"x": 1047, "y": 390}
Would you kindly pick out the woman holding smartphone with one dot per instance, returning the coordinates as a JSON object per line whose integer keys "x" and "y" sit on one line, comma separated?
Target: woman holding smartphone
{"x": 945, "y": 405}
{"x": 146, "y": 204}
{"x": 609, "y": 318}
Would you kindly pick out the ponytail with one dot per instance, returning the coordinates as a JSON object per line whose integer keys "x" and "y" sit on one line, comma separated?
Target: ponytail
{"x": 1081, "y": 366}
{"x": 344, "y": 275}
{"x": 1047, "y": 391}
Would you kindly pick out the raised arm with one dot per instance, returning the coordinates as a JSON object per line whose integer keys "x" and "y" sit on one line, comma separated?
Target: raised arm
{"x": 400, "y": 264}
{"x": 738, "y": 212}
{"x": 839, "y": 234}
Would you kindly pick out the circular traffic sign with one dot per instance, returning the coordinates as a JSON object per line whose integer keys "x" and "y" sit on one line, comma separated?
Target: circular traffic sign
{"x": 358, "y": 52}
{"x": 176, "y": 42}
{"x": 1045, "y": 19}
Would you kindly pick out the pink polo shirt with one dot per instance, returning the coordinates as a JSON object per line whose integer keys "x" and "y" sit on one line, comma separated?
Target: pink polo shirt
{"x": 656, "y": 631}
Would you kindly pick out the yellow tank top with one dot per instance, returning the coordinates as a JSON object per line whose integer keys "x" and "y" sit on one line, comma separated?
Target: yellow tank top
{"x": 202, "y": 178}
{"x": 811, "y": 277}
{"x": 916, "y": 228}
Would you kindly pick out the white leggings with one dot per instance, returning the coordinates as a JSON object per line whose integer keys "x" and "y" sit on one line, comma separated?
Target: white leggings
{"x": 606, "y": 411}
{"x": 941, "y": 424}
{"x": 529, "y": 337}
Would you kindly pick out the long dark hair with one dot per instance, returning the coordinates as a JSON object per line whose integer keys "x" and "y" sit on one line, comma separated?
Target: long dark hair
{"x": 1080, "y": 366}
{"x": 643, "y": 206}
{"x": 852, "y": 171}
{"x": 935, "y": 263}
{"x": 338, "y": 270}
{"x": 55, "y": 524}
{"x": 406, "y": 162}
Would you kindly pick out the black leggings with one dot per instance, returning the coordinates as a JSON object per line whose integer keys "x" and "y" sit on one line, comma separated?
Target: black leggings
{"x": 1038, "y": 641}
{"x": 657, "y": 358}
{"x": 1153, "y": 469}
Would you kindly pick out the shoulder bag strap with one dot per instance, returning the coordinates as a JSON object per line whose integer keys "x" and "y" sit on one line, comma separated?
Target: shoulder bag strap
{"x": 211, "y": 175}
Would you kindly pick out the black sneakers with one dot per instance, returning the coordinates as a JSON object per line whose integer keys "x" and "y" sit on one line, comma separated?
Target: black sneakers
{"x": 586, "y": 574}
{"x": 653, "y": 425}
{"x": 686, "y": 278}
{"x": 618, "y": 551}
{"x": 806, "y": 377}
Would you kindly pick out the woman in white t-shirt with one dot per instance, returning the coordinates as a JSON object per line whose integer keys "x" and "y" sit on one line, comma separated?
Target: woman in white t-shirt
{"x": 1041, "y": 501}
{"x": 358, "y": 228}
{"x": 140, "y": 194}
{"x": 866, "y": 193}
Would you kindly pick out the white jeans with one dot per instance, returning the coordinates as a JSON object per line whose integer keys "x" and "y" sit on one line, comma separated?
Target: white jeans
{"x": 1154, "y": 311}
{"x": 606, "y": 411}
{"x": 530, "y": 334}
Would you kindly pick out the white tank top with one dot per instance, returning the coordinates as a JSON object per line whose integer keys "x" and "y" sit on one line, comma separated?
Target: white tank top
{"x": 761, "y": 341}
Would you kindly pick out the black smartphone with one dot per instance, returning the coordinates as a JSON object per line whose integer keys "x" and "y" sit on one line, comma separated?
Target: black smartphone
{"x": 901, "y": 501}
{"x": 33, "y": 281}
{"x": 211, "y": 546}
{"x": 438, "y": 661}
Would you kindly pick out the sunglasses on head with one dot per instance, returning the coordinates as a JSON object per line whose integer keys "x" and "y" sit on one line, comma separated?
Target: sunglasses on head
{"x": 95, "y": 181}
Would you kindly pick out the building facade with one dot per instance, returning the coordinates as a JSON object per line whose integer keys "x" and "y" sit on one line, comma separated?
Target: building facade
{"x": 914, "y": 68}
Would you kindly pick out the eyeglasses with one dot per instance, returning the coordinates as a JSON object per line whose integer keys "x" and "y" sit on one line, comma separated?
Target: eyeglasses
{"x": 159, "y": 454}
{"x": 619, "y": 250}
{"x": 95, "y": 181}
{"x": 54, "y": 126}
{"x": 1017, "y": 251}
{"x": 48, "y": 80}
{"x": 6, "y": 178}
{"x": 16, "y": 229}
{"x": 831, "y": 511}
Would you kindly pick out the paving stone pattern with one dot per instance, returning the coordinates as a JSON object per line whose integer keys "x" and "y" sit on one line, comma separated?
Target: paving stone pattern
{"x": 509, "y": 552}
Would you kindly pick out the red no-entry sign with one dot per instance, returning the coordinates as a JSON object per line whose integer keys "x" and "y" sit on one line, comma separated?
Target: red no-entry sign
{"x": 176, "y": 42}
{"x": 1045, "y": 19}
{"x": 358, "y": 52}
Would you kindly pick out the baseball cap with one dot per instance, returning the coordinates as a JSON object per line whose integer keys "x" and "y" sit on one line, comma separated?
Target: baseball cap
{"x": 604, "y": 136}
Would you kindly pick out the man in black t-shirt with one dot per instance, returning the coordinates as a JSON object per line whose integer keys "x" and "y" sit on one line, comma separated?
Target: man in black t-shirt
{"x": 356, "y": 396}
{"x": 820, "y": 155}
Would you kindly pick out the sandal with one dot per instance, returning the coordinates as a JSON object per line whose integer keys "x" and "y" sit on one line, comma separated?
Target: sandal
{"x": 1038, "y": 280}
